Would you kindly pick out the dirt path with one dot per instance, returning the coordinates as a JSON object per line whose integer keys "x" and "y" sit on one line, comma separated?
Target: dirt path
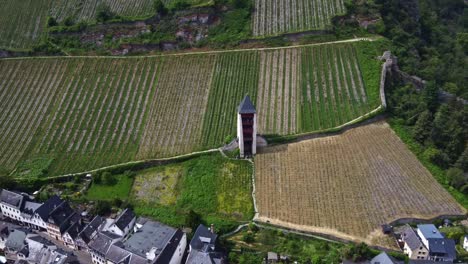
{"x": 203, "y": 52}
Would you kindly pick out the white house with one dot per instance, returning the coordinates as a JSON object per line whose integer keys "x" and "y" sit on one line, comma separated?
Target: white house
{"x": 465, "y": 243}
{"x": 413, "y": 247}
{"x": 11, "y": 204}
{"x": 152, "y": 242}
{"x": 427, "y": 232}
{"x": 123, "y": 223}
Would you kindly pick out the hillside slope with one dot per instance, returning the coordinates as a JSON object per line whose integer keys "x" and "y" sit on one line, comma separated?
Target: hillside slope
{"x": 84, "y": 113}
{"x": 347, "y": 185}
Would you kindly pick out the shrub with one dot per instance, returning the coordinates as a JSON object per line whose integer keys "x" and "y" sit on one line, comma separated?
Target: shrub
{"x": 69, "y": 21}
{"x": 51, "y": 22}
{"x": 97, "y": 179}
{"x": 160, "y": 7}
{"x": 455, "y": 177}
{"x": 108, "y": 178}
{"x": 180, "y": 5}
{"x": 103, "y": 12}
{"x": 102, "y": 208}
{"x": 117, "y": 202}
{"x": 248, "y": 237}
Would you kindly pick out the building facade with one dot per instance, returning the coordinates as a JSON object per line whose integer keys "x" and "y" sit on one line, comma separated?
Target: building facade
{"x": 247, "y": 128}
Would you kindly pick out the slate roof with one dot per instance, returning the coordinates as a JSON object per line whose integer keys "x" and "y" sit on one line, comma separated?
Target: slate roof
{"x": 124, "y": 219}
{"x": 29, "y": 208}
{"x": 170, "y": 248}
{"x": 442, "y": 246}
{"x": 198, "y": 257}
{"x": 203, "y": 237}
{"x": 429, "y": 231}
{"x": 101, "y": 243}
{"x": 75, "y": 229}
{"x": 150, "y": 235}
{"x": 41, "y": 240}
{"x": 116, "y": 253}
{"x": 89, "y": 231}
{"x": 410, "y": 237}
{"x": 46, "y": 208}
{"x": 63, "y": 216}
{"x": 383, "y": 258}
{"x": 12, "y": 198}
{"x": 16, "y": 239}
{"x": 202, "y": 248}
{"x": 246, "y": 106}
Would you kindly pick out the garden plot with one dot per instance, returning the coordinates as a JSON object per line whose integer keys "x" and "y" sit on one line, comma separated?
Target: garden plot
{"x": 347, "y": 185}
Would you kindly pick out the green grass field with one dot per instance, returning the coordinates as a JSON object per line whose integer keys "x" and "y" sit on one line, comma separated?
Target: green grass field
{"x": 121, "y": 189}
{"x": 76, "y": 114}
{"x": 216, "y": 188}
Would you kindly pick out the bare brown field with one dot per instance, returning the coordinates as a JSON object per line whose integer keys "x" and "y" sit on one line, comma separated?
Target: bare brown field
{"x": 347, "y": 185}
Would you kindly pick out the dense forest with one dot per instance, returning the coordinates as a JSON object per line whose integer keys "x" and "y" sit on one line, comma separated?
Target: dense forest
{"x": 429, "y": 39}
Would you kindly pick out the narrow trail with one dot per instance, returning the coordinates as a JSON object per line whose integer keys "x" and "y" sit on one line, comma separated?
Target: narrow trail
{"x": 201, "y": 52}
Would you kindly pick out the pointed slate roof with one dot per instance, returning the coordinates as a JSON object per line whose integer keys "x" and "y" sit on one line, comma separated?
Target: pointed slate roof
{"x": 246, "y": 106}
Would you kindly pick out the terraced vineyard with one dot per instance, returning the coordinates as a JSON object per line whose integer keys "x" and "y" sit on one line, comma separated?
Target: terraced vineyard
{"x": 83, "y": 113}
{"x": 339, "y": 185}
{"x": 86, "y": 9}
{"x": 273, "y": 17}
{"x": 22, "y": 22}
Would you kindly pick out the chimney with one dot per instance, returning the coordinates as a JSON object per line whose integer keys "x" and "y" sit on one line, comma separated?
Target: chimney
{"x": 212, "y": 228}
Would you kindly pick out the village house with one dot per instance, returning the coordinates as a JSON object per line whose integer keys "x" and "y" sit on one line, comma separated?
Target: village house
{"x": 202, "y": 248}
{"x": 119, "y": 240}
{"x": 413, "y": 247}
{"x": 16, "y": 242}
{"x": 124, "y": 223}
{"x": 61, "y": 222}
{"x": 465, "y": 243}
{"x": 89, "y": 232}
{"x": 151, "y": 242}
{"x": 427, "y": 243}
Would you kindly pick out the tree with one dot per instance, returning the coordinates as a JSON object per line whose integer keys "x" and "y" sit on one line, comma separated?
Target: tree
{"x": 97, "y": 179}
{"x": 102, "y": 208}
{"x": 356, "y": 253}
{"x": 103, "y": 12}
{"x": 69, "y": 21}
{"x": 117, "y": 202}
{"x": 462, "y": 162}
{"x": 160, "y": 8}
{"x": 51, "y": 22}
{"x": 180, "y": 5}
{"x": 193, "y": 220}
{"x": 108, "y": 178}
{"x": 248, "y": 237}
{"x": 6, "y": 181}
{"x": 455, "y": 177}
{"x": 423, "y": 127}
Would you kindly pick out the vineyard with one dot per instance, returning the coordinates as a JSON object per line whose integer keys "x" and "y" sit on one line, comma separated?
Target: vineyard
{"x": 283, "y": 16}
{"x": 340, "y": 185}
{"x": 86, "y": 9}
{"x": 83, "y": 113}
{"x": 22, "y": 22}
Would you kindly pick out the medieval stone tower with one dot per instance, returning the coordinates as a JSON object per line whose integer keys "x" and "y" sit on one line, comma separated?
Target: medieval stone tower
{"x": 247, "y": 128}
